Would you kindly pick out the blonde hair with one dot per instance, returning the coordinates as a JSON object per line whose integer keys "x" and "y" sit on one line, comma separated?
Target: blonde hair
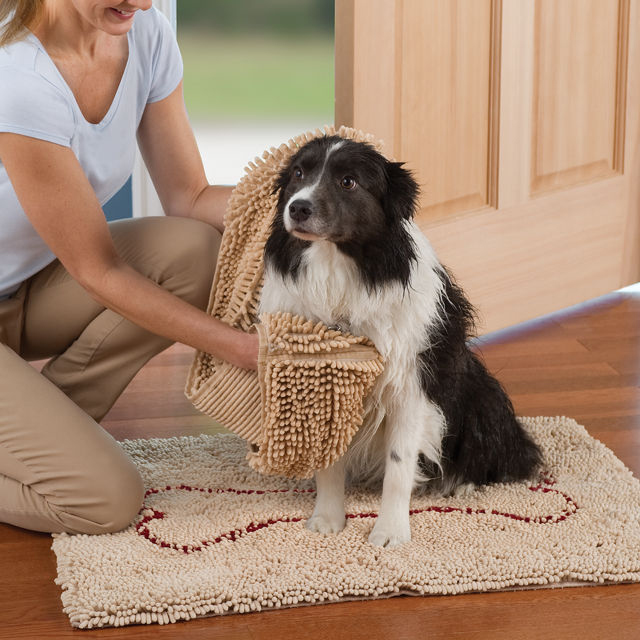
{"x": 16, "y": 16}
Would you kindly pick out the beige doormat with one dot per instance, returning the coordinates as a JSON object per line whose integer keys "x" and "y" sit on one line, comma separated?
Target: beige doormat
{"x": 216, "y": 537}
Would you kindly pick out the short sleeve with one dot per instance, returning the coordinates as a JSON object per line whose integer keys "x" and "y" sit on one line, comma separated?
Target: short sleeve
{"x": 30, "y": 105}
{"x": 166, "y": 62}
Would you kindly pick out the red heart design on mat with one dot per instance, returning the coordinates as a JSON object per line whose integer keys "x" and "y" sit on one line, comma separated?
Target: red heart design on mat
{"x": 152, "y": 516}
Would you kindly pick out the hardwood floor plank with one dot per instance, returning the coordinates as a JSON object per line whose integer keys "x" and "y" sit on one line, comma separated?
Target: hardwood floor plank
{"x": 27, "y": 591}
{"x": 509, "y": 615}
{"x": 568, "y": 379}
{"x": 536, "y": 345}
{"x": 162, "y": 427}
{"x": 621, "y": 354}
{"x": 622, "y": 401}
{"x": 178, "y": 631}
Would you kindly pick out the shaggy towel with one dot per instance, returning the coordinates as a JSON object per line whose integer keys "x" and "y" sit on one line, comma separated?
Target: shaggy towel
{"x": 313, "y": 381}
{"x": 249, "y": 403}
{"x": 216, "y": 537}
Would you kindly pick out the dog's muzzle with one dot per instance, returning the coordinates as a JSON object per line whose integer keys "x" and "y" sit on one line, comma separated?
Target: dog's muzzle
{"x": 300, "y": 210}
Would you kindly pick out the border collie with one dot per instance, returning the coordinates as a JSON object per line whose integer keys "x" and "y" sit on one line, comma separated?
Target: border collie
{"x": 344, "y": 249}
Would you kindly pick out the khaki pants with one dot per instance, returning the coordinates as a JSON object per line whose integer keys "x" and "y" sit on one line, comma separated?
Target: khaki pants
{"x": 59, "y": 470}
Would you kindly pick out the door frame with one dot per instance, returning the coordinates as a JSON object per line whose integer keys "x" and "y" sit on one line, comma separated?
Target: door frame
{"x": 144, "y": 199}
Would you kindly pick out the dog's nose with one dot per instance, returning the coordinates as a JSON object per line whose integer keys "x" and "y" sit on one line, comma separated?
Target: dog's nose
{"x": 300, "y": 210}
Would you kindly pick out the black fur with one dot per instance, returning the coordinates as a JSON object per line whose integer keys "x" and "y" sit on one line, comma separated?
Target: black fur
{"x": 283, "y": 251}
{"x": 484, "y": 442}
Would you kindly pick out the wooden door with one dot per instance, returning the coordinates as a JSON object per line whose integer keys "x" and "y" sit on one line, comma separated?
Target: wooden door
{"x": 520, "y": 119}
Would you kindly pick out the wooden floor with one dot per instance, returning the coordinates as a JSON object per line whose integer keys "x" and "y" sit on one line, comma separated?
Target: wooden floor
{"x": 583, "y": 363}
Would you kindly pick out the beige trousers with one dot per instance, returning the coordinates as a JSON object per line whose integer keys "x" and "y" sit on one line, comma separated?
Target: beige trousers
{"x": 59, "y": 469}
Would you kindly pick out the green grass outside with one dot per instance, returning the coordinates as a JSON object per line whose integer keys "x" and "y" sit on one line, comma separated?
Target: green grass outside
{"x": 261, "y": 78}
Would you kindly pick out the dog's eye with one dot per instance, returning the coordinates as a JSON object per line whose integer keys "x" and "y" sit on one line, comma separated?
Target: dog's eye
{"x": 348, "y": 182}
{"x": 298, "y": 173}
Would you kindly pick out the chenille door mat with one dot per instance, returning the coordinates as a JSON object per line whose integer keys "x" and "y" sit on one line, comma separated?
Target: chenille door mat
{"x": 216, "y": 537}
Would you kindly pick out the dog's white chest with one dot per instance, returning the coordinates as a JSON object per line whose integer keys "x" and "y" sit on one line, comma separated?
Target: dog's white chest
{"x": 327, "y": 287}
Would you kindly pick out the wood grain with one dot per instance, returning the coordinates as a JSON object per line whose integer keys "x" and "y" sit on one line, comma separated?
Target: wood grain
{"x": 578, "y": 87}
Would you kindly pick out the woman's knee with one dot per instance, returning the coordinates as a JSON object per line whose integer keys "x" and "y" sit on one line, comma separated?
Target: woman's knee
{"x": 110, "y": 504}
{"x": 180, "y": 254}
{"x": 195, "y": 263}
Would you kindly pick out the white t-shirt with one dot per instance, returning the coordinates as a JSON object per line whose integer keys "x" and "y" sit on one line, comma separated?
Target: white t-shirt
{"x": 35, "y": 101}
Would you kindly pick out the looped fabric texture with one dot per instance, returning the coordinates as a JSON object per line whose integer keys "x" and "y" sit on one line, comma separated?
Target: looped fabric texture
{"x": 303, "y": 406}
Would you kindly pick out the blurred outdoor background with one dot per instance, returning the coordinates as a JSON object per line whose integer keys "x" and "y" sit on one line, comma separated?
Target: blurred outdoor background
{"x": 256, "y": 72}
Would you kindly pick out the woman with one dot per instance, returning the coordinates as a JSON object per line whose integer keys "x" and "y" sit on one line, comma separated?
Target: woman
{"x": 78, "y": 80}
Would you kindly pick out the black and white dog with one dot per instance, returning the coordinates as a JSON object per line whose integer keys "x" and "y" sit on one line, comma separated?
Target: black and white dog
{"x": 344, "y": 249}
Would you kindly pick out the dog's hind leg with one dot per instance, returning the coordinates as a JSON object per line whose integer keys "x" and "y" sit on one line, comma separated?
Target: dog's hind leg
{"x": 328, "y": 513}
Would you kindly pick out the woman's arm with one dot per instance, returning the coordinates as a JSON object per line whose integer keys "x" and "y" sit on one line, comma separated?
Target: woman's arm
{"x": 171, "y": 154}
{"x": 60, "y": 203}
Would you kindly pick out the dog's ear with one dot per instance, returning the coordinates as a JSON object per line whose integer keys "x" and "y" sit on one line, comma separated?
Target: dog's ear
{"x": 279, "y": 185}
{"x": 282, "y": 180}
{"x": 400, "y": 199}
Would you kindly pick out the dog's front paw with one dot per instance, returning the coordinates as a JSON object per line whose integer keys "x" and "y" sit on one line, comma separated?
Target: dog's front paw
{"x": 326, "y": 523}
{"x": 390, "y": 535}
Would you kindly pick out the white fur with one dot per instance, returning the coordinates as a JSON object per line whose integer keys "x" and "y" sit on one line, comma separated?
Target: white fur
{"x": 399, "y": 417}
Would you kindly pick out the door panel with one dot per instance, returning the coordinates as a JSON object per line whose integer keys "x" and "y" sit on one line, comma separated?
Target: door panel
{"x": 578, "y": 85}
{"x": 444, "y": 98}
{"x": 520, "y": 120}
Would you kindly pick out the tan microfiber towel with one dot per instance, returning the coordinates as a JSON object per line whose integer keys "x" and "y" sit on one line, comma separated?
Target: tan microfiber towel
{"x": 305, "y": 403}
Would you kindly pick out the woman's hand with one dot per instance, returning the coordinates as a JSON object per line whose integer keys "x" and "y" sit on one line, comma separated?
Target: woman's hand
{"x": 247, "y": 357}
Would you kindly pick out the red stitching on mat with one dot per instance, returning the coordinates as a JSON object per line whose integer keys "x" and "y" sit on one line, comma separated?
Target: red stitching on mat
{"x": 233, "y": 535}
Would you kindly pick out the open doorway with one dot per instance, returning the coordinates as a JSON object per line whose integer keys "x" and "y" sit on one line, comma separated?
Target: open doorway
{"x": 256, "y": 73}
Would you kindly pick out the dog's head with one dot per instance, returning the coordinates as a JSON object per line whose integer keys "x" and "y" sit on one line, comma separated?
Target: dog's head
{"x": 343, "y": 191}
{"x": 347, "y": 193}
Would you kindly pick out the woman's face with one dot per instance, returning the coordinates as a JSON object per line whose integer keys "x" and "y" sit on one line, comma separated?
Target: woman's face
{"x": 113, "y": 17}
